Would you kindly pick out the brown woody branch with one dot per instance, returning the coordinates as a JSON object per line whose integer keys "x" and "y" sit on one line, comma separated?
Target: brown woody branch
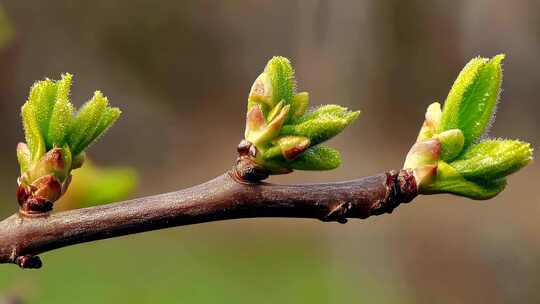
{"x": 22, "y": 237}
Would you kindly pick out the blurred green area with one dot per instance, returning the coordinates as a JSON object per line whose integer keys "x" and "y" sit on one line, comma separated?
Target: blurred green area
{"x": 92, "y": 185}
{"x": 181, "y": 71}
{"x": 160, "y": 268}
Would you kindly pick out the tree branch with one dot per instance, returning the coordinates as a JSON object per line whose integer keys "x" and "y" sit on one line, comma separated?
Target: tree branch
{"x": 22, "y": 237}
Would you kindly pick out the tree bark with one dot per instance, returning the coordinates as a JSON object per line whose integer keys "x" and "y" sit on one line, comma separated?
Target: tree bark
{"x": 22, "y": 237}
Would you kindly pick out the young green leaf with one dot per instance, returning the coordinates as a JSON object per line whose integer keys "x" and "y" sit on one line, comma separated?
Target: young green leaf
{"x": 321, "y": 124}
{"x": 42, "y": 98}
{"x": 493, "y": 159}
{"x": 470, "y": 105}
{"x": 109, "y": 116}
{"x": 319, "y": 157}
{"x": 281, "y": 74}
{"x": 86, "y": 122}
{"x": 449, "y": 180}
{"x": 34, "y": 139}
{"x": 62, "y": 113}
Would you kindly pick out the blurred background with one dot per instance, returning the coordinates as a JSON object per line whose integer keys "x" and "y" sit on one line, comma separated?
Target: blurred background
{"x": 181, "y": 71}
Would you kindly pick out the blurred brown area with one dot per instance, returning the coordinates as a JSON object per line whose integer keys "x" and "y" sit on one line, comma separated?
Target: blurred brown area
{"x": 181, "y": 70}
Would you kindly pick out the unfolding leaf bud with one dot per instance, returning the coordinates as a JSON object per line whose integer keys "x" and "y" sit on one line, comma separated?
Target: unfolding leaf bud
{"x": 422, "y": 159}
{"x": 452, "y": 142}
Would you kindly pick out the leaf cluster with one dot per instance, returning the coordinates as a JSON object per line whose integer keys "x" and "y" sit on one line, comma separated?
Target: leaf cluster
{"x": 50, "y": 121}
{"x": 468, "y": 163}
{"x": 286, "y": 135}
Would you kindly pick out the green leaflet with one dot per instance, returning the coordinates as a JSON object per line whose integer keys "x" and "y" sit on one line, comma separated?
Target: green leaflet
{"x": 448, "y": 180}
{"x": 317, "y": 158}
{"x": 470, "y": 105}
{"x": 42, "y": 99}
{"x": 321, "y": 124}
{"x": 452, "y": 142}
{"x": 281, "y": 74}
{"x": 34, "y": 139}
{"x": 109, "y": 116}
{"x": 493, "y": 159}
{"x": 62, "y": 113}
{"x": 86, "y": 122}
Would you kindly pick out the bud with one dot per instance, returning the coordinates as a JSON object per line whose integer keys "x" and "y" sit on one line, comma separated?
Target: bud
{"x": 422, "y": 159}
{"x": 452, "y": 142}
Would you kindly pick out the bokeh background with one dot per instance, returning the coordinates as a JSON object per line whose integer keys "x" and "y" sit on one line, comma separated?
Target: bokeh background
{"x": 181, "y": 71}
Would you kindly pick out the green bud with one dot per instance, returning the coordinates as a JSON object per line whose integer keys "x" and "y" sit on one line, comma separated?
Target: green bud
{"x": 470, "y": 105}
{"x": 284, "y": 135}
{"x": 52, "y": 135}
{"x": 452, "y": 142}
{"x": 493, "y": 159}
{"x": 322, "y": 124}
{"x": 317, "y": 158}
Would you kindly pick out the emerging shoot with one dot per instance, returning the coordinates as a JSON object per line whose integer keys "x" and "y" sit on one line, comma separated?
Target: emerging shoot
{"x": 450, "y": 155}
{"x": 280, "y": 135}
{"x": 56, "y": 140}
